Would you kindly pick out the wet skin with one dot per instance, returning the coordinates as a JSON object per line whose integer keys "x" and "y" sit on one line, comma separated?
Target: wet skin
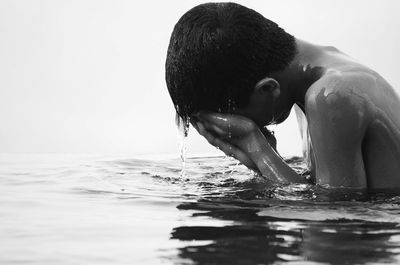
{"x": 354, "y": 128}
{"x": 353, "y": 116}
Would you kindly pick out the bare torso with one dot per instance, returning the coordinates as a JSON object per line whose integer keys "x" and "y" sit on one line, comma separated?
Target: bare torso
{"x": 352, "y": 115}
{"x": 352, "y": 108}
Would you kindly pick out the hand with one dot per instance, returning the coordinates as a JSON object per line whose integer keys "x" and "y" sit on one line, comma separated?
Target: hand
{"x": 227, "y": 148}
{"x": 240, "y": 137}
{"x": 225, "y": 125}
{"x": 233, "y": 134}
{"x": 234, "y": 129}
{"x": 270, "y": 137}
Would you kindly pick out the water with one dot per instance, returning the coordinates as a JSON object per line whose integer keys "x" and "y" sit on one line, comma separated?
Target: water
{"x": 183, "y": 131}
{"x": 59, "y": 209}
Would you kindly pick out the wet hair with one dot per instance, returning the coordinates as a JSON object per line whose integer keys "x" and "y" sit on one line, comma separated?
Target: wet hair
{"x": 218, "y": 52}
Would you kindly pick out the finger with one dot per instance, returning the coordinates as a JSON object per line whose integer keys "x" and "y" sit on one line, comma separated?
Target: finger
{"x": 228, "y": 149}
{"x": 194, "y": 124}
{"x": 201, "y": 129}
{"x": 214, "y": 128}
{"x": 205, "y": 128}
{"x": 233, "y": 151}
{"x": 218, "y": 123}
{"x": 209, "y": 136}
{"x": 213, "y": 118}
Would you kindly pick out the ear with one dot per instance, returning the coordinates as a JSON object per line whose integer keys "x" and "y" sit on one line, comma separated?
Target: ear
{"x": 268, "y": 85}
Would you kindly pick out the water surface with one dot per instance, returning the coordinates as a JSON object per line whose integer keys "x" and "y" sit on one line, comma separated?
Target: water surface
{"x": 60, "y": 209}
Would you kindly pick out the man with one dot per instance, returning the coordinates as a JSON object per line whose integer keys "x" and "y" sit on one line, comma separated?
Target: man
{"x": 232, "y": 72}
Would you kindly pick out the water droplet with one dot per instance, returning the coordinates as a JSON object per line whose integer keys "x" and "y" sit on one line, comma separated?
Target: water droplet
{"x": 231, "y": 108}
{"x": 183, "y": 131}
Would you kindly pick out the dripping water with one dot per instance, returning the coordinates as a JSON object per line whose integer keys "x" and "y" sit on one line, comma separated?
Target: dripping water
{"x": 231, "y": 109}
{"x": 183, "y": 131}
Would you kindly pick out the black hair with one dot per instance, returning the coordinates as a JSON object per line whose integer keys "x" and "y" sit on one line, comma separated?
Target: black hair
{"x": 218, "y": 52}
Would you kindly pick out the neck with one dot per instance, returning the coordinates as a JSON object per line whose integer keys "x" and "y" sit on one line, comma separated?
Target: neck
{"x": 302, "y": 72}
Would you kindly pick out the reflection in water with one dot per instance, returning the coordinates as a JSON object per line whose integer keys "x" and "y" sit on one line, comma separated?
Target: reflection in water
{"x": 255, "y": 239}
{"x": 100, "y": 210}
{"x": 297, "y": 223}
{"x": 251, "y": 241}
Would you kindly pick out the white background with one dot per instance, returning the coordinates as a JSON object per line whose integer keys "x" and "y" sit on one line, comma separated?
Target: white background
{"x": 88, "y": 76}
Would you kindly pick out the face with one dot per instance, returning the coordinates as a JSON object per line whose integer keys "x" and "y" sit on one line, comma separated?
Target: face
{"x": 260, "y": 116}
{"x": 265, "y": 108}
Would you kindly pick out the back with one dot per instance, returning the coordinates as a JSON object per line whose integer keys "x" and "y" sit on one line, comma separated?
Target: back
{"x": 377, "y": 107}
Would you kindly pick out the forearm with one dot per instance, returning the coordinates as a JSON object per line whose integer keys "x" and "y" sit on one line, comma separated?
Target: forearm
{"x": 269, "y": 163}
{"x": 240, "y": 137}
{"x": 269, "y": 136}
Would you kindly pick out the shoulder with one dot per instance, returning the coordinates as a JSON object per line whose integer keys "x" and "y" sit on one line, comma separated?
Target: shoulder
{"x": 339, "y": 99}
{"x": 341, "y": 87}
{"x": 337, "y": 85}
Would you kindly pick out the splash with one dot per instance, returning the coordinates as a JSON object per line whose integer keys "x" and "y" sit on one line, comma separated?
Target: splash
{"x": 183, "y": 131}
{"x": 234, "y": 165}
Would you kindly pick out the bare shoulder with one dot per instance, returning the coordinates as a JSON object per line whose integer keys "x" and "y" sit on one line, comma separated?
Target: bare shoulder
{"x": 340, "y": 98}
{"x": 341, "y": 86}
{"x": 351, "y": 87}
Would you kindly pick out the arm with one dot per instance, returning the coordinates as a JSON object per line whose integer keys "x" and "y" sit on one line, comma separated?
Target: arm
{"x": 336, "y": 119}
{"x": 270, "y": 137}
{"x": 269, "y": 163}
{"x": 239, "y": 137}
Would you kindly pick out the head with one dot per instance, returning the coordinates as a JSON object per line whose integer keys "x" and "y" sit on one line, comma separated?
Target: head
{"x": 220, "y": 57}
